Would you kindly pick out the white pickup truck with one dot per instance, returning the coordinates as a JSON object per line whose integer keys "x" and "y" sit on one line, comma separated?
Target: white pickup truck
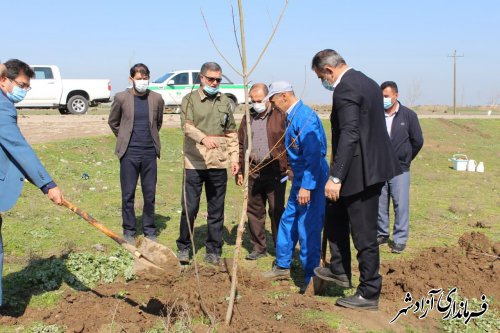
{"x": 173, "y": 86}
{"x": 49, "y": 91}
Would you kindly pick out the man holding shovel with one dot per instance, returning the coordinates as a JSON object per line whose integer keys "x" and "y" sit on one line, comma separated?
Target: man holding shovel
{"x": 18, "y": 161}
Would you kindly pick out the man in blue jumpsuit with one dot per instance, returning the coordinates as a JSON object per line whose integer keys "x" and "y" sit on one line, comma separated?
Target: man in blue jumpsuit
{"x": 302, "y": 221}
{"x": 17, "y": 159}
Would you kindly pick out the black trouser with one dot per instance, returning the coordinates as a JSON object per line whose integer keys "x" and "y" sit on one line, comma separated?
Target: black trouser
{"x": 138, "y": 162}
{"x": 357, "y": 213}
{"x": 215, "y": 190}
{"x": 262, "y": 187}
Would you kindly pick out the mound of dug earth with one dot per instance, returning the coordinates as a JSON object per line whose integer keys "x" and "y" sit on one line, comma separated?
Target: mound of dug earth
{"x": 473, "y": 267}
{"x": 142, "y": 304}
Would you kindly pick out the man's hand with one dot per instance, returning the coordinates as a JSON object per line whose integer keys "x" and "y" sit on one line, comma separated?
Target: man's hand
{"x": 209, "y": 143}
{"x": 304, "y": 196}
{"x": 235, "y": 167}
{"x": 55, "y": 194}
{"x": 239, "y": 179}
{"x": 332, "y": 190}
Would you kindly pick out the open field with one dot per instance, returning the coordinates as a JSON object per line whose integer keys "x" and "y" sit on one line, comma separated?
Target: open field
{"x": 422, "y": 110}
{"x": 56, "y": 265}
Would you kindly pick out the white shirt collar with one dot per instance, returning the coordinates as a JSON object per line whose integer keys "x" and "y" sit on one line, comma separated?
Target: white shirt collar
{"x": 335, "y": 84}
{"x": 291, "y": 107}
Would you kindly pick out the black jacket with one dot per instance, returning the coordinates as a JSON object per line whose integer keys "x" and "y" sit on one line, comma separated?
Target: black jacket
{"x": 406, "y": 136}
{"x": 363, "y": 154}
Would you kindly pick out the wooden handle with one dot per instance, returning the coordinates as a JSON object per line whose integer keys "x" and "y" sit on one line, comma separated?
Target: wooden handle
{"x": 94, "y": 222}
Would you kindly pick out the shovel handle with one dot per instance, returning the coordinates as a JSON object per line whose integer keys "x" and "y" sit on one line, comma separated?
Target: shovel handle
{"x": 324, "y": 238}
{"x": 93, "y": 222}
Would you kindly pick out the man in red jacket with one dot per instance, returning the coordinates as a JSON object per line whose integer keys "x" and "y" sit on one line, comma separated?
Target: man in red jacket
{"x": 268, "y": 168}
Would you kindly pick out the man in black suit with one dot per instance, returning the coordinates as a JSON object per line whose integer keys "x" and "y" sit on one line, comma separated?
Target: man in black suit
{"x": 362, "y": 160}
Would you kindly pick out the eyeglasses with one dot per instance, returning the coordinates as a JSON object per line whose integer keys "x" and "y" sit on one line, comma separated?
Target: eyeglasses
{"x": 23, "y": 86}
{"x": 212, "y": 79}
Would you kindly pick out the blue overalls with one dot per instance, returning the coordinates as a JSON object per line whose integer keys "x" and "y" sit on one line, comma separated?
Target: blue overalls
{"x": 305, "y": 142}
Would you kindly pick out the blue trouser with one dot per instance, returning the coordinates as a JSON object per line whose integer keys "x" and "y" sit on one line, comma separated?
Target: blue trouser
{"x": 302, "y": 224}
{"x": 398, "y": 188}
{"x": 1, "y": 259}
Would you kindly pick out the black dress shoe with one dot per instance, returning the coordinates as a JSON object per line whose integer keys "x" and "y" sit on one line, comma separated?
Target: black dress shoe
{"x": 183, "y": 256}
{"x": 382, "y": 240}
{"x": 398, "y": 248}
{"x": 212, "y": 258}
{"x": 326, "y": 274}
{"x": 357, "y": 301}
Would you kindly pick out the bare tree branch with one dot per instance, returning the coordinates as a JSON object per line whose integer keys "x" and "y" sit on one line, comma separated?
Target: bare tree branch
{"x": 270, "y": 39}
{"x": 235, "y": 35}
{"x": 270, "y": 18}
{"x": 215, "y": 45}
{"x": 241, "y": 224}
{"x": 245, "y": 75}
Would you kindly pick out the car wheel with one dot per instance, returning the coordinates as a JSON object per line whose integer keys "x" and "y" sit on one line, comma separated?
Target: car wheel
{"x": 78, "y": 105}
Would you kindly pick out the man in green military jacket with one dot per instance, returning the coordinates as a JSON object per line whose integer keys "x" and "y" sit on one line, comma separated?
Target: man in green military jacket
{"x": 210, "y": 147}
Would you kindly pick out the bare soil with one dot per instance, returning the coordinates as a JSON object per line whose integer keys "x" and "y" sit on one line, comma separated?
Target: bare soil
{"x": 472, "y": 266}
{"x": 47, "y": 128}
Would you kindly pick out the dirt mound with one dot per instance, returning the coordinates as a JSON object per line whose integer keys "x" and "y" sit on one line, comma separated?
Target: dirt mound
{"x": 262, "y": 306}
{"x": 142, "y": 304}
{"x": 473, "y": 268}
{"x": 475, "y": 242}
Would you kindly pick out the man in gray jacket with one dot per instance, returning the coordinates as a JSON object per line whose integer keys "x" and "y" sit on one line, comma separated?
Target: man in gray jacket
{"x": 136, "y": 117}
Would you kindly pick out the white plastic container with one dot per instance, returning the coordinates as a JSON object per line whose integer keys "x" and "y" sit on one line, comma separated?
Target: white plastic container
{"x": 480, "y": 167}
{"x": 471, "y": 166}
{"x": 459, "y": 162}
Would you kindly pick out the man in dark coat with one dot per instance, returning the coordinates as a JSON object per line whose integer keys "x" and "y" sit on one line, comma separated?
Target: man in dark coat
{"x": 362, "y": 160}
{"x": 406, "y": 138}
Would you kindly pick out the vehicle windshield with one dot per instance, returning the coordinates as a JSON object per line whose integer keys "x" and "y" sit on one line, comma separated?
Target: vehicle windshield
{"x": 163, "y": 78}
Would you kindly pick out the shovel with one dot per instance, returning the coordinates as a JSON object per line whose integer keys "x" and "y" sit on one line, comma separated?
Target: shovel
{"x": 151, "y": 258}
{"x": 319, "y": 284}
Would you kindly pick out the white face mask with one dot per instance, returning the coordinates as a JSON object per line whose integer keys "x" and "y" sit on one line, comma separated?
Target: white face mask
{"x": 141, "y": 85}
{"x": 259, "y": 107}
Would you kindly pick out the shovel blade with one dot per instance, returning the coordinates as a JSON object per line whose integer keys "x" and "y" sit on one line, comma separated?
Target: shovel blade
{"x": 159, "y": 255}
{"x": 146, "y": 270}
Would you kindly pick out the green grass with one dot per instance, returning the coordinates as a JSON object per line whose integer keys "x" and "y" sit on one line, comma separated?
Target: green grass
{"x": 444, "y": 203}
{"x": 46, "y": 300}
{"x": 333, "y": 320}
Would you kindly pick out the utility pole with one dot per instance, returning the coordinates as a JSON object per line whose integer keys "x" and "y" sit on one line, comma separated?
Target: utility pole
{"x": 455, "y": 56}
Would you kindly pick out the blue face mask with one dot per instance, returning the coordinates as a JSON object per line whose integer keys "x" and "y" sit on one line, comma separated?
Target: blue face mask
{"x": 211, "y": 90}
{"x": 17, "y": 94}
{"x": 327, "y": 85}
{"x": 387, "y": 103}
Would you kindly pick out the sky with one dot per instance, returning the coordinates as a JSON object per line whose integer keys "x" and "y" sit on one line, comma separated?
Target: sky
{"x": 408, "y": 42}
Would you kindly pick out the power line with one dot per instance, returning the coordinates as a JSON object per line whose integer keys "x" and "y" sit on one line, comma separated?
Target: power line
{"x": 455, "y": 56}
